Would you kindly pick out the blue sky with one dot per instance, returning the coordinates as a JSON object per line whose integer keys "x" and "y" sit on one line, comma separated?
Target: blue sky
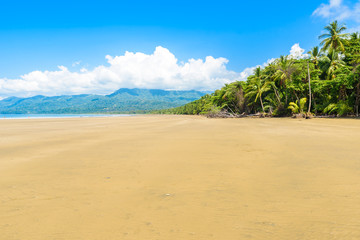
{"x": 42, "y": 35}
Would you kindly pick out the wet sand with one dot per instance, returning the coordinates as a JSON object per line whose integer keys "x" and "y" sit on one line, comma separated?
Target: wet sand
{"x": 179, "y": 177}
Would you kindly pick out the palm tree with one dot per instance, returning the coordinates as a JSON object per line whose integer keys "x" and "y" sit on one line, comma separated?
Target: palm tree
{"x": 315, "y": 54}
{"x": 270, "y": 77}
{"x": 285, "y": 68}
{"x": 334, "y": 39}
{"x": 330, "y": 63}
{"x": 257, "y": 87}
{"x": 353, "y": 54}
{"x": 276, "y": 92}
{"x": 355, "y": 36}
{"x": 233, "y": 96}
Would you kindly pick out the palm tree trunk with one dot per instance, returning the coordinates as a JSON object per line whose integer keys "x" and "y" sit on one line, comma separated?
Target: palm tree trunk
{"x": 357, "y": 99}
{"x": 262, "y": 105}
{"x": 297, "y": 98}
{"x": 309, "y": 89}
{"x": 277, "y": 95}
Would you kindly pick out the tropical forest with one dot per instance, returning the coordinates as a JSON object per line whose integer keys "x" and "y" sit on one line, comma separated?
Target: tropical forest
{"x": 326, "y": 82}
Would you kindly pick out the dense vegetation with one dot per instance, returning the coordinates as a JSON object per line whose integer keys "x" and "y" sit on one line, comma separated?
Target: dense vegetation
{"x": 326, "y": 82}
{"x": 122, "y": 101}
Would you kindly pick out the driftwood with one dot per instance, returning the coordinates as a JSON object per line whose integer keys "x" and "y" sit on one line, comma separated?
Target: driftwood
{"x": 221, "y": 114}
{"x": 299, "y": 115}
{"x": 303, "y": 115}
{"x": 226, "y": 114}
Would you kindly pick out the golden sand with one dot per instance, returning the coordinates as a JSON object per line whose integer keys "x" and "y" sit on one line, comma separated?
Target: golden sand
{"x": 179, "y": 177}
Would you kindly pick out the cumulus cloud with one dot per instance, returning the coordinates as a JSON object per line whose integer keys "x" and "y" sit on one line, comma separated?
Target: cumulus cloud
{"x": 297, "y": 52}
{"x": 338, "y": 10}
{"x": 159, "y": 70}
{"x": 131, "y": 70}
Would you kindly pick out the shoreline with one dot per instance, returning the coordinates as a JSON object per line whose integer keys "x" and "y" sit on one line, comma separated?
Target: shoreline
{"x": 95, "y": 115}
{"x": 52, "y": 116}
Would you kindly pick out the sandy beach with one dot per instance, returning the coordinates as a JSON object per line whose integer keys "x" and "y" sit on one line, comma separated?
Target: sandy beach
{"x": 179, "y": 177}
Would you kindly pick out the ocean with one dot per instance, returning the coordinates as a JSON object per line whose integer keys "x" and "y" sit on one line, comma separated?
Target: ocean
{"x": 31, "y": 116}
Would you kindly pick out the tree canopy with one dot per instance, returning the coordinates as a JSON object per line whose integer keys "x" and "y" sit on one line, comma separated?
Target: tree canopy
{"x": 328, "y": 76}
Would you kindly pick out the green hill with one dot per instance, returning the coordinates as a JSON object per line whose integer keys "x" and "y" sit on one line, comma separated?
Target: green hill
{"x": 123, "y": 100}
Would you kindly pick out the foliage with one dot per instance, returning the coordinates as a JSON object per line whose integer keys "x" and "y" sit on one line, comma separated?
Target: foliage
{"x": 334, "y": 39}
{"x": 298, "y": 106}
{"x": 340, "y": 108}
{"x": 282, "y": 87}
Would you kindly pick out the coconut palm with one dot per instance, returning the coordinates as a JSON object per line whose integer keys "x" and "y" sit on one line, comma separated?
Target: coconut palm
{"x": 355, "y": 36}
{"x": 285, "y": 68}
{"x": 334, "y": 40}
{"x": 315, "y": 54}
{"x": 330, "y": 63}
{"x": 353, "y": 55}
{"x": 353, "y": 49}
{"x": 257, "y": 86}
{"x": 233, "y": 96}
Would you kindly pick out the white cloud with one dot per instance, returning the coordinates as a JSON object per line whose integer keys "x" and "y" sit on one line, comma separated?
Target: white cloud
{"x": 297, "y": 52}
{"x": 338, "y": 10}
{"x": 131, "y": 70}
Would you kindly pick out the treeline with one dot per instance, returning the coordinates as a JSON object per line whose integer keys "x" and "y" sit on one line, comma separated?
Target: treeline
{"x": 324, "y": 82}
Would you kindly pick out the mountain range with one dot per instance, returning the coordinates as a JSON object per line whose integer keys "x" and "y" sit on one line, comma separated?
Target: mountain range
{"x": 123, "y": 100}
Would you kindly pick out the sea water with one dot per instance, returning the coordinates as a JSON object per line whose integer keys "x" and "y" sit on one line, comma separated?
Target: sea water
{"x": 26, "y": 116}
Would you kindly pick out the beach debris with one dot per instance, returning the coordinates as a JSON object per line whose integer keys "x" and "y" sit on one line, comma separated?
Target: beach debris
{"x": 222, "y": 114}
{"x": 166, "y": 195}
